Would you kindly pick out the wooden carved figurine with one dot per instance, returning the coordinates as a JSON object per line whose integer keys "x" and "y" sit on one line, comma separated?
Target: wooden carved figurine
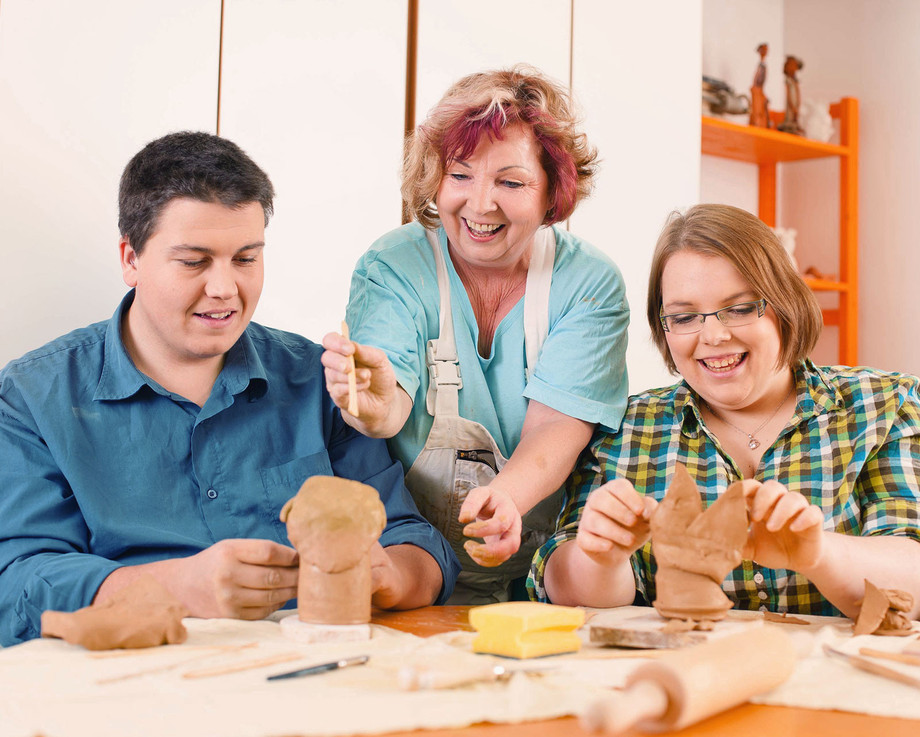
{"x": 333, "y": 523}
{"x": 143, "y": 614}
{"x": 695, "y": 550}
{"x": 759, "y": 103}
{"x": 790, "y": 123}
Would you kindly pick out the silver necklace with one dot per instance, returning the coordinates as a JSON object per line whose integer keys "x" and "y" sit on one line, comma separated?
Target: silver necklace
{"x": 753, "y": 443}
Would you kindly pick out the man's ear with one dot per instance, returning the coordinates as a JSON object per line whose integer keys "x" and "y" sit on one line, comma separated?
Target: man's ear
{"x": 128, "y": 262}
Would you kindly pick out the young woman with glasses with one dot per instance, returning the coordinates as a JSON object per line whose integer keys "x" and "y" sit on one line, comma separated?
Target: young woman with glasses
{"x": 833, "y": 452}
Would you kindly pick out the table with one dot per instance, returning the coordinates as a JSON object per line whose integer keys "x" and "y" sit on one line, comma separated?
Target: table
{"x": 748, "y": 719}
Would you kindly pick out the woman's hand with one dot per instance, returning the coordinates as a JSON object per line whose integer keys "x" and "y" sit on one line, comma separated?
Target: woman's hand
{"x": 382, "y": 405}
{"x": 491, "y": 514}
{"x": 786, "y": 531}
{"x": 614, "y": 522}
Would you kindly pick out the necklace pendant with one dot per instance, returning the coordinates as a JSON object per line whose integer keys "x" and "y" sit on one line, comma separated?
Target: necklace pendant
{"x": 753, "y": 443}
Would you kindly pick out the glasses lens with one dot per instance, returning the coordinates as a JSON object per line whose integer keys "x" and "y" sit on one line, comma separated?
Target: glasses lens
{"x": 742, "y": 314}
{"x": 683, "y": 323}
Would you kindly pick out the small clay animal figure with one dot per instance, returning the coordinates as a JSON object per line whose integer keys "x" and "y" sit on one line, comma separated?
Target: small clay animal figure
{"x": 882, "y": 612}
{"x": 143, "y": 614}
{"x": 759, "y": 103}
{"x": 695, "y": 550}
{"x": 333, "y": 523}
{"x": 790, "y": 123}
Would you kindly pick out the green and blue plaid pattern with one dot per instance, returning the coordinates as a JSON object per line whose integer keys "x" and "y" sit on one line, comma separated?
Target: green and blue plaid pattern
{"x": 852, "y": 448}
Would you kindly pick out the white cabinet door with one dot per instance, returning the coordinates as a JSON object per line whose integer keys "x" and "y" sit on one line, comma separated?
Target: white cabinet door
{"x": 458, "y": 37}
{"x": 83, "y": 85}
{"x": 315, "y": 92}
{"x": 636, "y": 71}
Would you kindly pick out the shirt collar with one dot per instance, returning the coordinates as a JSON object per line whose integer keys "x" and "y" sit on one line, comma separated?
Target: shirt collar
{"x": 815, "y": 395}
{"x": 120, "y": 378}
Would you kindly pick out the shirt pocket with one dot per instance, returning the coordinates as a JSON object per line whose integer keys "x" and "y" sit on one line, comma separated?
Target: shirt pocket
{"x": 280, "y": 483}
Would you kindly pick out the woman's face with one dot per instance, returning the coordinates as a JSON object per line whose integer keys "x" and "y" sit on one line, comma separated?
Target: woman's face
{"x": 492, "y": 203}
{"x": 730, "y": 368}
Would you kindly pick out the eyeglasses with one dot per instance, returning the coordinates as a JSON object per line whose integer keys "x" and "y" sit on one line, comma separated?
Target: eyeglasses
{"x": 733, "y": 316}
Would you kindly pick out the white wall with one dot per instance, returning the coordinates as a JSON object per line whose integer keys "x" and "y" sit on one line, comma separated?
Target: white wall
{"x": 314, "y": 90}
{"x": 315, "y": 93}
{"x": 82, "y": 87}
{"x": 636, "y": 70}
{"x": 869, "y": 49}
{"x": 857, "y": 48}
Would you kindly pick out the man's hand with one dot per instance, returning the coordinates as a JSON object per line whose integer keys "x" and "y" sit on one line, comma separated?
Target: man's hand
{"x": 403, "y": 577}
{"x": 786, "y": 531}
{"x": 614, "y": 523}
{"x": 491, "y": 514}
{"x": 387, "y": 581}
{"x": 245, "y": 579}
{"x": 374, "y": 380}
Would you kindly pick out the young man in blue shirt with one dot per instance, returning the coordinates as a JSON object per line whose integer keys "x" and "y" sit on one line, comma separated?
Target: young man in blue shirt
{"x": 165, "y": 440}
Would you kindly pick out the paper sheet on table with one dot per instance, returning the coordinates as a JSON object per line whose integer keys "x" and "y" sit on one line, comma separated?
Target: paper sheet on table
{"x": 52, "y": 688}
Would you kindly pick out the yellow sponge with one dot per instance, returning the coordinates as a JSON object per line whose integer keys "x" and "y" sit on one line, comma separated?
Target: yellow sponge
{"x": 526, "y": 629}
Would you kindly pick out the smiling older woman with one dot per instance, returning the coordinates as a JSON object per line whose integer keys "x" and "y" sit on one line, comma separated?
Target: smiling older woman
{"x": 832, "y": 454}
{"x": 484, "y": 331}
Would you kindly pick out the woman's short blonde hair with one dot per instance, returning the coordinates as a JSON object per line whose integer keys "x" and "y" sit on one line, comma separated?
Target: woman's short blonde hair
{"x": 485, "y": 103}
{"x": 755, "y": 251}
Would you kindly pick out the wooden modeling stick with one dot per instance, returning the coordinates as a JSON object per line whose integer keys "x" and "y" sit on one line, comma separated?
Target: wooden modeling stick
{"x": 352, "y": 382}
{"x": 686, "y": 686}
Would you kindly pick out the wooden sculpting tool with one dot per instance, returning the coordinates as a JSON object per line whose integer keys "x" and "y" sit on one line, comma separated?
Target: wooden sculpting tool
{"x": 415, "y": 678}
{"x": 871, "y": 666}
{"x": 247, "y": 665}
{"x": 352, "y": 383}
{"x": 897, "y": 657}
{"x": 686, "y": 686}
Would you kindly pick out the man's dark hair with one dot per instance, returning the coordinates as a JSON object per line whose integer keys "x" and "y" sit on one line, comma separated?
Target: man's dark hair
{"x": 190, "y": 164}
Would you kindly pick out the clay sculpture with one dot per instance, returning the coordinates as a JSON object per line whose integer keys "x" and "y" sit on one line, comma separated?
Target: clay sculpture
{"x": 143, "y": 614}
{"x": 695, "y": 550}
{"x": 333, "y": 523}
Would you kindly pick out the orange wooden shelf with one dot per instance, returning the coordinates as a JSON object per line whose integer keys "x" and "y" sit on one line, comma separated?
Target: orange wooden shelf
{"x": 823, "y": 285}
{"x": 766, "y": 148}
{"x": 761, "y": 145}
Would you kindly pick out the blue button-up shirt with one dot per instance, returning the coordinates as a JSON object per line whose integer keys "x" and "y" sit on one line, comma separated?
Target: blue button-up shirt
{"x": 102, "y": 467}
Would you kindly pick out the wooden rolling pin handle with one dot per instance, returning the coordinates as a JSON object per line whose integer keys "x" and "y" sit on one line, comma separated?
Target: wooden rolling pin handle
{"x": 644, "y": 700}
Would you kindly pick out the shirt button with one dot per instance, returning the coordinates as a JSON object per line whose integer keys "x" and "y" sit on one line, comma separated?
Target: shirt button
{"x": 761, "y": 595}
{"x": 758, "y": 577}
{"x": 212, "y": 494}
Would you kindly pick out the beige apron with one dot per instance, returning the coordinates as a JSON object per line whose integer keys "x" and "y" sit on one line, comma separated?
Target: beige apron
{"x": 460, "y": 455}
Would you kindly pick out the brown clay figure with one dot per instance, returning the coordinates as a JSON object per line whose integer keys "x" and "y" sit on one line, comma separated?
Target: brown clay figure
{"x": 882, "y": 612}
{"x": 759, "y": 103}
{"x": 790, "y": 123}
{"x": 333, "y": 523}
{"x": 695, "y": 550}
{"x": 143, "y": 614}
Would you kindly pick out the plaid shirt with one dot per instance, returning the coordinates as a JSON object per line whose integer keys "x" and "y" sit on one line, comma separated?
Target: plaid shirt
{"x": 852, "y": 448}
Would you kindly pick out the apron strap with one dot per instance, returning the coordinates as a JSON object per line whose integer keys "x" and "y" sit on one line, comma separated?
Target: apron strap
{"x": 444, "y": 377}
{"x": 444, "y": 381}
{"x": 536, "y": 295}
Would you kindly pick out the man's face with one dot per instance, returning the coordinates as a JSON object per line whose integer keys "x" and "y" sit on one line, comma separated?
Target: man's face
{"x": 198, "y": 280}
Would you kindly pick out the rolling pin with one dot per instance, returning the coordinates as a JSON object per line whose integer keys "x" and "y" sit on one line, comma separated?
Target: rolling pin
{"x": 686, "y": 686}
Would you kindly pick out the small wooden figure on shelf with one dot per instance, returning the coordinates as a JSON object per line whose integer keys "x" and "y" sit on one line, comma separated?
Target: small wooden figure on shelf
{"x": 790, "y": 123}
{"x": 759, "y": 115}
